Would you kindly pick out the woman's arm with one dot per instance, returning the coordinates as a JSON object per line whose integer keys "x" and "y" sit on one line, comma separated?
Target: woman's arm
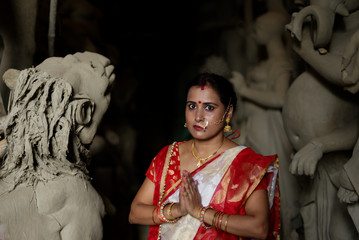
{"x": 145, "y": 213}
{"x": 255, "y": 224}
{"x": 142, "y": 205}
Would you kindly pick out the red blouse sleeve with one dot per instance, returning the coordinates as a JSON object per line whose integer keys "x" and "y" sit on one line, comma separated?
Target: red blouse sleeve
{"x": 263, "y": 184}
{"x": 154, "y": 171}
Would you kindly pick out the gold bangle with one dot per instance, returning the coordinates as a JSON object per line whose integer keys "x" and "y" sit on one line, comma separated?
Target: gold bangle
{"x": 199, "y": 212}
{"x": 214, "y": 219}
{"x": 220, "y": 221}
{"x": 169, "y": 210}
{"x": 161, "y": 215}
{"x": 225, "y": 225}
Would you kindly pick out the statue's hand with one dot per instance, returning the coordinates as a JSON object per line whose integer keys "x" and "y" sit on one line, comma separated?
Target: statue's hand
{"x": 305, "y": 160}
{"x": 346, "y": 192}
{"x": 350, "y": 61}
{"x": 306, "y": 45}
{"x": 238, "y": 82}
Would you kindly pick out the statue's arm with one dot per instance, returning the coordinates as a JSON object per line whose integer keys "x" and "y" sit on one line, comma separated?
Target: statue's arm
{"x": 327, "y": 64}
{"x": 305, "y": 160}
{"x": 350, "y": 64}
{"x": 271, "y": 98}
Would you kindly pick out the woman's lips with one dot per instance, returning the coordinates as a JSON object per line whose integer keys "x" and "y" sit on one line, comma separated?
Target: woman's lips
{"x": 201, "y": 126}
{"x": 198, "y": 128}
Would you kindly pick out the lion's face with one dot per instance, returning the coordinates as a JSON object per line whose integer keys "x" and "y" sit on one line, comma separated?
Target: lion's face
{"x": 91, "y": 76}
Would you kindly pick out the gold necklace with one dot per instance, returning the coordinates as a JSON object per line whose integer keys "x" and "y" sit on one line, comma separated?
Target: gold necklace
{"x": 201, "y": 161}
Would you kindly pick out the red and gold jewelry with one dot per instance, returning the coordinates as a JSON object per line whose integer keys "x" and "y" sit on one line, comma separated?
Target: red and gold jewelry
{"x": 161, "y": 215}
{"x": 214, "y": 219}
{"x": 199, "y": 212}
{"x": 169, "y": 210}
{"x": 220, "y": 217}
{"x": 226, "y": 224}
{"x": 201, "y": 219}
{"x": 158, "y": 212}
{"x": 153, "y": 218}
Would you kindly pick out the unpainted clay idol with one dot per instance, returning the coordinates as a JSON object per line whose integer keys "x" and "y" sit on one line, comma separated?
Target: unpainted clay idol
{"x": 54, "y": 111}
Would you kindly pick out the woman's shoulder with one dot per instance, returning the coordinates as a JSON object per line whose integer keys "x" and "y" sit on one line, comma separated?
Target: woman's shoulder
{"x": 170, "y": 147}
{"x": 250, "y": 153}
{"x": 232, "y": 144}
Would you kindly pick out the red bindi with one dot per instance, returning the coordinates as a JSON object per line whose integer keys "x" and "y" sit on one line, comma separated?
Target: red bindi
{"x": 199, "y": 102}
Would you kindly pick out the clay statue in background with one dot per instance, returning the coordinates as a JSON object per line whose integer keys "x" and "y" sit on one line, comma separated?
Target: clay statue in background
{"x": 321, "y": 118}
{"x": 348, "y": 192}
{"x": 350, "y": 64}
{"x": 263, "y": 97}
{"x": 54, "y": 111}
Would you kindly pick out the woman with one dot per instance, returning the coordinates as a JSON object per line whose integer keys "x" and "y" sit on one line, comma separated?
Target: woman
{"x": 208, "y": 187}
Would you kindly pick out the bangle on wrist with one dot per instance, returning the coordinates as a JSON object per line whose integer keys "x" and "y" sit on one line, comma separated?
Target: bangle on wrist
{"x": 213, "y": 219}
{"x": 199, "y": 212}
{"x": 169, "y": 210}
{"x": 220, "y": 217}
{"x": 153, "y": 219}
{"x": 201, "y": 219}
{"x": 161, "y": 215}
{"x": 225, "y": 225}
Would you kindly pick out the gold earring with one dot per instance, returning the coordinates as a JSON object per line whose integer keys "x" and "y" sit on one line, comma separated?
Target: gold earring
{"x": 227, "y": 128}
{"x": 185, "y": 125}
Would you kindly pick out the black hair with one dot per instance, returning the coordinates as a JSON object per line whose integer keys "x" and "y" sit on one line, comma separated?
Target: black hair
{"x": 221, "y": 85}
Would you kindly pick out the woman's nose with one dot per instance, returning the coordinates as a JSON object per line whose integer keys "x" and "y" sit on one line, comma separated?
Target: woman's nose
{"x": 199, "y": 115}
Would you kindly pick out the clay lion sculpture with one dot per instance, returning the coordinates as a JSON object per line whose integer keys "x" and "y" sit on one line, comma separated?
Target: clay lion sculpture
{"x": 54, "y": 111}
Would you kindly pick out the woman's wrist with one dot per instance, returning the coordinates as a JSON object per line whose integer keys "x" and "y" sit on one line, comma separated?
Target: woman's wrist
{"x": 165, "y": 214}
{"x": 168, "y": 211}
{"x": 175, "y": 210}
{"x": 198, "y": 216}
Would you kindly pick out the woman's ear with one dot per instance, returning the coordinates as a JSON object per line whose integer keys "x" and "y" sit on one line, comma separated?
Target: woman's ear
{"x": 230, "y": 112}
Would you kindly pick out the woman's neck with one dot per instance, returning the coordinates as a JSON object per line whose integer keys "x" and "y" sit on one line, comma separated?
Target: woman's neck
{"x": 206, "y": 147}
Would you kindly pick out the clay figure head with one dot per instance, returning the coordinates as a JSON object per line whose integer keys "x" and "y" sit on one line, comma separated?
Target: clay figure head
{"x": 54, "y": 113}
{"x": 268, "y": 26}
{"x": 91, "y": 76}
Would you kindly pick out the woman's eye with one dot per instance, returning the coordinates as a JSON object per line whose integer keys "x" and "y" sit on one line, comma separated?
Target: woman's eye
{"x": 191, "y": 106}
{"x": 209, "y": 108}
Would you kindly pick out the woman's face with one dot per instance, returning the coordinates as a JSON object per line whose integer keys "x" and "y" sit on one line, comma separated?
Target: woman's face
{"x": 204, "y": 112}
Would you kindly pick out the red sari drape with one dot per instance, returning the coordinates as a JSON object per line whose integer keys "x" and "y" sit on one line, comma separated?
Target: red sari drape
{"x": 243, "y": 176}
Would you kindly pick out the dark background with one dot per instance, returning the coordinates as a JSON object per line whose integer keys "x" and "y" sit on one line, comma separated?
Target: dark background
{"x": 156, "y": 47}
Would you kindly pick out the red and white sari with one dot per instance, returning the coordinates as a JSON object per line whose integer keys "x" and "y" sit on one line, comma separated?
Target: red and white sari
{"x": 225, "y": 183}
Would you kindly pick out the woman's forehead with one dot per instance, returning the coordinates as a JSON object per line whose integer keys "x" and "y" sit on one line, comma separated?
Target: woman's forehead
{"x": 203, "y": 94}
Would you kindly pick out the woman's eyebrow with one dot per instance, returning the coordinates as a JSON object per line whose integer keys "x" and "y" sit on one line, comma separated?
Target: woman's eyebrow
{"x": 211, "y": 103}
{"x": 206, "y": 103}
